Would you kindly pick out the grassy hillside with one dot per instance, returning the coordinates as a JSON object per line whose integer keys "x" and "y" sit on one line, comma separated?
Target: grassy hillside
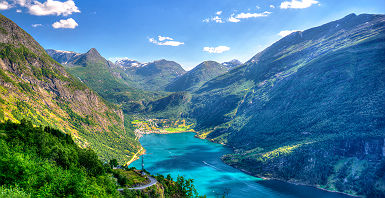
{"x": 299, "y": 100}
{"x": 34, "y": 86}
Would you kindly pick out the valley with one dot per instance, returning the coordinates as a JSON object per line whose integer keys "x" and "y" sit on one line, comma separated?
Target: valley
{"x": 160, "y": 126}
{"x": 306, "y": 110}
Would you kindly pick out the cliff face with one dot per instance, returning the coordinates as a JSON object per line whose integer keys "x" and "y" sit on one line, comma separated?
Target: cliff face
{"x": 34, "y": 86}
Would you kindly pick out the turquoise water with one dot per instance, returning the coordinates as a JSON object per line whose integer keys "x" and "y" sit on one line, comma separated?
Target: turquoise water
{"x": 183, "y": 154}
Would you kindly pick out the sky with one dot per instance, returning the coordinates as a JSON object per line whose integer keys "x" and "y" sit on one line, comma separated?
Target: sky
{"x": 186, "y": 31}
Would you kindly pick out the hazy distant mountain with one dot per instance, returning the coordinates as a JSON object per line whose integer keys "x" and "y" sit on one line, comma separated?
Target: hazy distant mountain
{"x": 61, "y": 56}
{"x": 197, "y": 76}
{"x": 153, "y": 76}
{"x": 35, "y": 87}
{"x": 128, "y": 63}
{"x": 309, "y": 108}
{"x": 232, "y": 64}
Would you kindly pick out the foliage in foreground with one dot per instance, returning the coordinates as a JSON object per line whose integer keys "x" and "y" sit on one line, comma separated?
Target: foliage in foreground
{"x": 44, "y": 162}
{"x": 182, "y": 187}
{"x": 47, "y": 163}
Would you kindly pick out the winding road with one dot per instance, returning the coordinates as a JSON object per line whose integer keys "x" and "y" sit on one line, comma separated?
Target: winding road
{"x": 153, "y": 181}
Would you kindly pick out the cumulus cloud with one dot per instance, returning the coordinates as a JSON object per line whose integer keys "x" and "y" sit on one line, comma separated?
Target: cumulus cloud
{"x": 68, "y": 23}
{"x": 164, "y": 40}
{"x": 272, "y": 6}
{"x": 5, "y": 5}
{"x": 161, "y": 38}
{"x": 297, "y": 4}
{"x": 237, "y": 18}
{"x": 219, "y": 12}
{"x": 286, "y": 32}
{"x": 23, "y": 3}
{"x": 19, "y": 11}
{"x": 37, "y": 25}
{"x": 216, "y": 50}
{"x": 51, "y": 7}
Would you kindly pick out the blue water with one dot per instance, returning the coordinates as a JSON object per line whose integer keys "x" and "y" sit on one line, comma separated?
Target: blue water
{"x": 183, "y": 154}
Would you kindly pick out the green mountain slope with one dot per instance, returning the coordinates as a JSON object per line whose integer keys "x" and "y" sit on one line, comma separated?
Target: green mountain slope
{"x": 99, "y": 74}
{"x": 197, "y": 77}
{"x": 34, "y": 86}
{"x": 106, "y": 79}
{"x": 290, "y": 108}
{"x": 152, "y": 76}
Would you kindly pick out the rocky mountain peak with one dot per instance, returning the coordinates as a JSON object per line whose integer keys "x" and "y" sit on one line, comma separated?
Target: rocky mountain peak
{"x": 93, "y": 53}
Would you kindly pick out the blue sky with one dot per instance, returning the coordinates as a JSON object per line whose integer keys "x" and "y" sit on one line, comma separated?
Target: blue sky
{"x": 185, "y": 31}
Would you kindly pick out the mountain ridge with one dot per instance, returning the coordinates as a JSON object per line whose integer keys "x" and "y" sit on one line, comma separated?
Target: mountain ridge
{"x": 299, "y": 100}
{"x": 34, "y": 86}
{"x": 196, "y": 77}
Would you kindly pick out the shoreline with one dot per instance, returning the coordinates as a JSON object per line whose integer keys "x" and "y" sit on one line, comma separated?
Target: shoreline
{"x": 142, "y": 151}
{"x": 275, "y": 179}
{"x": 242, "y": 170}
{"x": 298, "y": 183}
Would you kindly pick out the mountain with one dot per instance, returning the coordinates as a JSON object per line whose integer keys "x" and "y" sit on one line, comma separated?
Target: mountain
{"x": 153, "y": 76}
{"x": 197, "y": 76}
{"x": 128, "y": 63}
{"x": 62, "y": 57}
{"x": 106, "y": 78}
{"x": 232, "y": 64}
{"x": 308, "y": 109}
{"x": 33, "y": 86}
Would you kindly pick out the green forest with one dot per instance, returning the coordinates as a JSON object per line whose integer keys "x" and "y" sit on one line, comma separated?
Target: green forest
{"x": 45, "y": 162}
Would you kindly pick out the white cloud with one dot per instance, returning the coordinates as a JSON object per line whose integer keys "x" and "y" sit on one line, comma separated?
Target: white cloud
{"x": 19, "y": 11}
{"x": 37, "y": 25}
{"x": 286, "y": 32}
{"x": 272, "y": 6}
{"x": 51, "y": 7}
{"x": 237, "y": 18}
{"x": 252, "y": 15}
{"x": 161, "y": 38}
{"x": 215, "y": 19}
{"x": 69, "y": 23}
{"x": 5, "y": 5}
{"x": 216, "y": 50}
{"x": 164, "y": 40}
{"x": 22, "y": 3}
{"x": 171, "y": 43}
{"x": 257, "y": 7}
{"x": 233, "y": 19}
{"x": 297, "y": 4}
